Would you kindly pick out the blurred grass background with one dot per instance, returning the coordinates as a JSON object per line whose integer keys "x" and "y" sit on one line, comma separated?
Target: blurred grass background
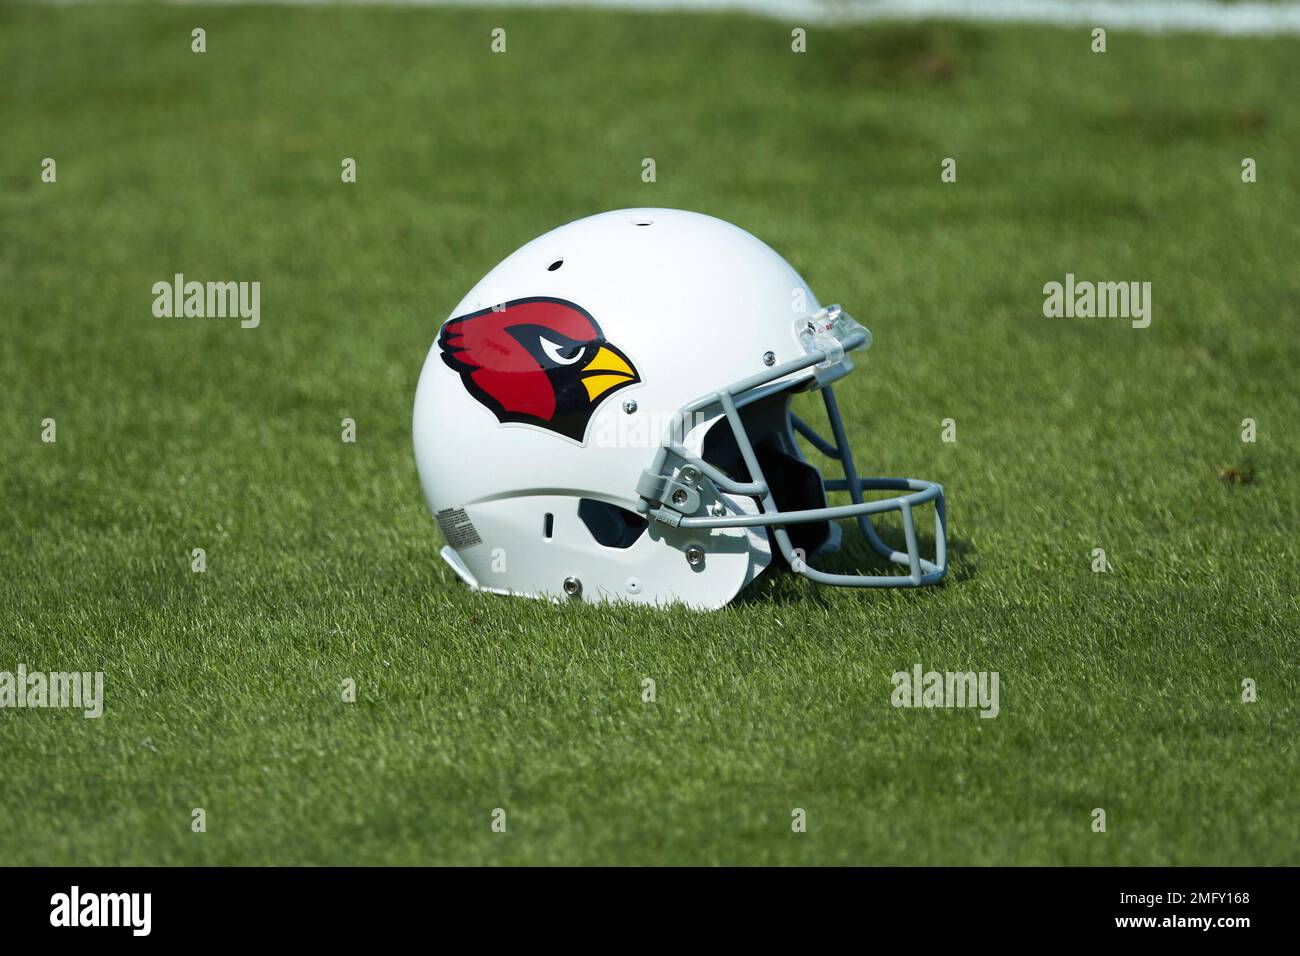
{"x": 1119, "y": 691}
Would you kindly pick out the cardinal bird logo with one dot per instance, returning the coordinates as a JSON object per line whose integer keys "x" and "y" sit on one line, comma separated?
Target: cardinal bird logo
{"x": 539, "y": 361}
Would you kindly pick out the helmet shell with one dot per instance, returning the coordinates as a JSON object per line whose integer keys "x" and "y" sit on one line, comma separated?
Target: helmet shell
{"x": 694, "y": 304}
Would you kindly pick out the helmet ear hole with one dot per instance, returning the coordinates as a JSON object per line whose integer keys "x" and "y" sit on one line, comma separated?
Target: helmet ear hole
{"x": 610, "y": 525}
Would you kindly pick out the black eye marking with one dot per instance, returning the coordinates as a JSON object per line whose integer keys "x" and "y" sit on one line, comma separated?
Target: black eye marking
{"x": 560, "y": 354}
{"x": 551, "y": 347}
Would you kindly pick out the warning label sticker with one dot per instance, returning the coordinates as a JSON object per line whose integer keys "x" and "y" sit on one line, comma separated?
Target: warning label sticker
{"x": 457, "y": 528}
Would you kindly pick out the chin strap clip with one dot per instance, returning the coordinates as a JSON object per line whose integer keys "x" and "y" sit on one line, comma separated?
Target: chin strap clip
{"x": 670, "y": 498}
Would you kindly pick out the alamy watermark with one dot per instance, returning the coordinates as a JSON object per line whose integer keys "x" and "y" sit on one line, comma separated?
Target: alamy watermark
{"x": 922, "y": 688}
{"x": 130, "y": 910}
{"x": 208, "y": 300}
{"x": 1101, "y": 300}
{"x": 83, "y": 690}
{"x": 638, "y": 428}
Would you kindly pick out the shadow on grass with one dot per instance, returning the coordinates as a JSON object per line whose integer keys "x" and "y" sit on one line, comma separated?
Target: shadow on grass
{"x": 855, "y": 556}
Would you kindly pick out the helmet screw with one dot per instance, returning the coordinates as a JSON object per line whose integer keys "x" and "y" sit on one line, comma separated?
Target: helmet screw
{"x": 689, "y": 474}
{"x": 679, "y": 497}
{"x": 769, "y": 359}
{"x": 572, "y": 586}
{"x": 695, "y": 555}
{"x": 630, "y": 406}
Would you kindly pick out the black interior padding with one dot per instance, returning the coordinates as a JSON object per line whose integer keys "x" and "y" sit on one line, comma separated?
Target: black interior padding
{"x": 795, "y": 484}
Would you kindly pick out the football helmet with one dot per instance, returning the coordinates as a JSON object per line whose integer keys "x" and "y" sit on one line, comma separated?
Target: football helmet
{"x": 607, "y": 416}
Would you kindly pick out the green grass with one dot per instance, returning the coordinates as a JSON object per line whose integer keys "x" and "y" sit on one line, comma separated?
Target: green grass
{"x": 1119, "y": 691}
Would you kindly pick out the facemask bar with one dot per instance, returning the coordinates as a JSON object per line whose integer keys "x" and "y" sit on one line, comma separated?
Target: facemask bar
{"x": 673, "y": 498}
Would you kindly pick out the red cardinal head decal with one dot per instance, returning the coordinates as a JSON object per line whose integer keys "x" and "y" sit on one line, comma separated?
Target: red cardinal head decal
{"x": 540, "y": 361}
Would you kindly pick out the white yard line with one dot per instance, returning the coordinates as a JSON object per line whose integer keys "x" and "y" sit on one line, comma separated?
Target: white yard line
{"x": 1201, "y": 16}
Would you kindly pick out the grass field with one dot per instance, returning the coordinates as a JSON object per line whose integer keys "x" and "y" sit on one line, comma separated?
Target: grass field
{"x": 1119, "y": 690}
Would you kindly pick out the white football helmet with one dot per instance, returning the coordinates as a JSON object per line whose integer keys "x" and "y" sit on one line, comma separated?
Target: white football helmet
{"x": 606, "y": 416}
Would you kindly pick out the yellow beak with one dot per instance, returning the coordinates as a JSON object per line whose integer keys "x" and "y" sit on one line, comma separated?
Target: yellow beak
{"x": 606, "y": 369}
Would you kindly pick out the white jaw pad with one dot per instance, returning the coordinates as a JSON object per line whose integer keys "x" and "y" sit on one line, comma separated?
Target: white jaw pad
{"x": 653, "y": 570}
{"x": 760, "y": 548}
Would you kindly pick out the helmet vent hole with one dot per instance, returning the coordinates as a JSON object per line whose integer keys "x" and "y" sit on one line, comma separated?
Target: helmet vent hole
{"x": 548, "y": 526}
{"x": 610, "y": 525}
{"x": 643, "y": 222}
{"x": 555, "y": 265}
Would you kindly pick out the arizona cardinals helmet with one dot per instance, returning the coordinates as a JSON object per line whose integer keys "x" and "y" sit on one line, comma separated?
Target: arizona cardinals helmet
{"x": 607, "y": 416}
